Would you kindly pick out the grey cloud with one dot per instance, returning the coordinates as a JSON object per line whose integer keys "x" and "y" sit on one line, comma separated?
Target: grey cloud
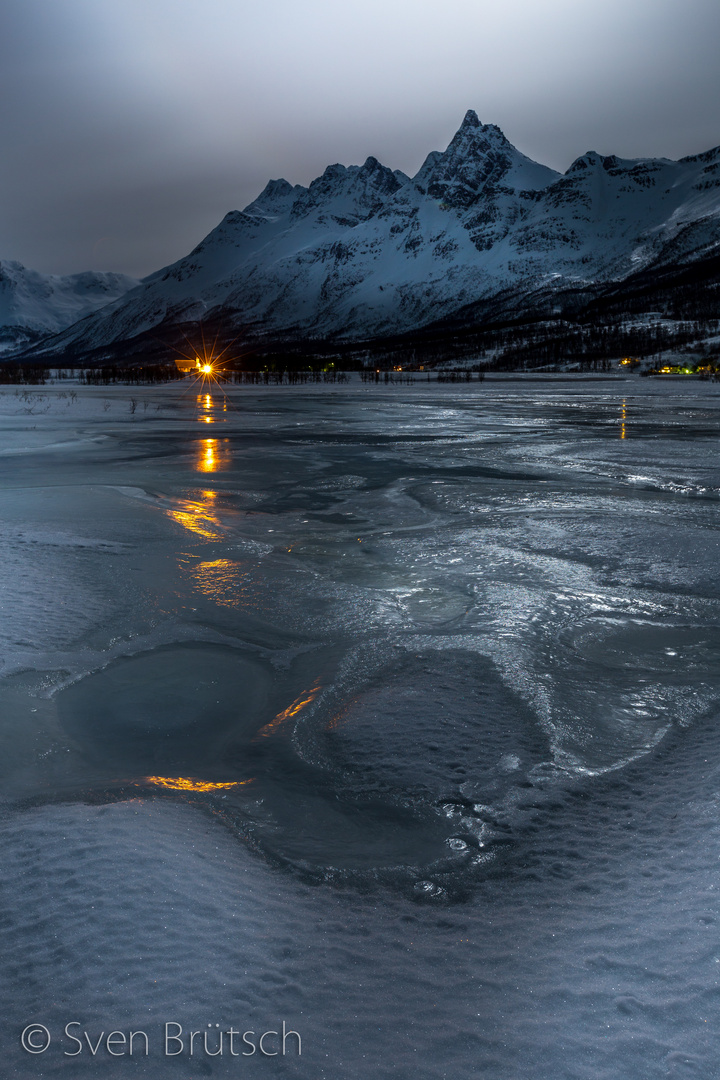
{"x": 129, "y": 130}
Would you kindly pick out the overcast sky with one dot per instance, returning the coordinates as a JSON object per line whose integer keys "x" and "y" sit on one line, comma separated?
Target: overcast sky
{"x": 130, "y": 127}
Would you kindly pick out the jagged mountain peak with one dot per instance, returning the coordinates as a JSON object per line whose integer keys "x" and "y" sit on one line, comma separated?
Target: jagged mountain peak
{"x": 365, "y": 251}
{"x": 275, "y": 199}
{"x": 276, "y": 189}
{"x": 706, "y": 157}
{"x": 472, "y": 125}
{"x": 588, "y": 160}
{"x": 371, "y": 165}
{"x": 481, "y": 135}
{"x": 479, "y": 156}
{"x": 470, "y": 120}
{"x": 8, "y": 266}
{"x": 425, "y": 170}
{"x": 354, "y": 191}
{"x": 616, "y": 166}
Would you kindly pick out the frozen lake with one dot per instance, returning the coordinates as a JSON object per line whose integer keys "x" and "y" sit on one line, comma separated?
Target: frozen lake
{"x": 389, "y": 712}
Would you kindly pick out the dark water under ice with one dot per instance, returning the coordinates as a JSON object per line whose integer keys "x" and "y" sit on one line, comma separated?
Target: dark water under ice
{"x": 387, "y": 711}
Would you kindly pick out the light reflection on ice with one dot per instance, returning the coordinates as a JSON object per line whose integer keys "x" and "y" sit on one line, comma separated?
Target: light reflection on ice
{"x": 213, "y": 455}
{"x": 191, "y": 783}
{"x": 197, "y": 517}
{"x": 280, "y": 724}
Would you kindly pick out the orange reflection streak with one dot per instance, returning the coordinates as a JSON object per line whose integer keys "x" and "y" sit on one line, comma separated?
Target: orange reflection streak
{"x": 190, "y": 783}
{"x": 221, "y": 580}
{"x": 212, "y": 455}
{"x": 230, "y": 584}
{"x": 339, "y": 718}
{"x": 197, "y": 518}
{"x": 204, "y": 401}
{"x": 622, "y": 420}
{"x": 275, "y": 726}
{"x": 207, "y": 461}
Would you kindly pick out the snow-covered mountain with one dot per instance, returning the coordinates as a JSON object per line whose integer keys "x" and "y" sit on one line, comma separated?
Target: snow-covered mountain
{"x": 34, "y": 304}
{"x": 366, "y": 251}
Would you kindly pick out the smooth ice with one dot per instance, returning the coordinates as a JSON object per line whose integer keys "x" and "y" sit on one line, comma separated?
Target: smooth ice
{"x": 387, "y": 711}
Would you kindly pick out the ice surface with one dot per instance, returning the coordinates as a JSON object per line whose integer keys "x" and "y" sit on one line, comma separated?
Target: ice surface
{"x": 389, "y": 712}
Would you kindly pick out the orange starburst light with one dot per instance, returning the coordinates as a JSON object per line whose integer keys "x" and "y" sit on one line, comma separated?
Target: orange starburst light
{"x": 207, "y": 363}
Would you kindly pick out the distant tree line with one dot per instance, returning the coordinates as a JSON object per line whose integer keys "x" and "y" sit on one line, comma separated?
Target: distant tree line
{"x": 283, "y": 376}
{"x": 12, "y": 373}
{"x": 140, "y": 375}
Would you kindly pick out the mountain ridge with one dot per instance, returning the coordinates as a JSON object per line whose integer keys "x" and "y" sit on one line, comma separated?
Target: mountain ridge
{"x": 366, "y": 252}
{"x": 34, "y": 304}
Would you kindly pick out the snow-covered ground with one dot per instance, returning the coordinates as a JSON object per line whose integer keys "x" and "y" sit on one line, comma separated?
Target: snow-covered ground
{"x": 385, "y": 711}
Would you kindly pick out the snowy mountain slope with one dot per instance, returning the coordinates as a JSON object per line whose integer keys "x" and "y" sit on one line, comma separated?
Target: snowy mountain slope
{"x": 33, "y": 303}
{"x": 366, "y": 252}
